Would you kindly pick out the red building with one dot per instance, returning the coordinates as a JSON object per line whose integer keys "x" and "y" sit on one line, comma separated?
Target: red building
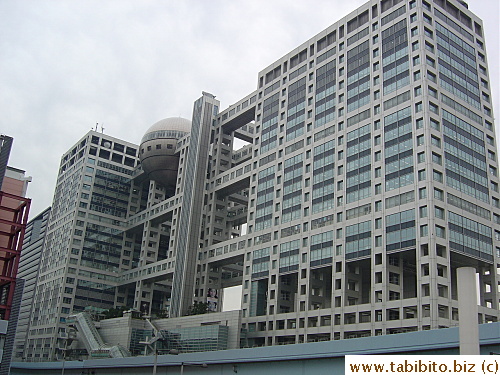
{"x": 14, "y": 210}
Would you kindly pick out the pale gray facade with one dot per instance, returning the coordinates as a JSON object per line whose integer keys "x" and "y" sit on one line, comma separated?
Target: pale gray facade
{"x": 28, "y": 271}
{"x": 84, "y": 246}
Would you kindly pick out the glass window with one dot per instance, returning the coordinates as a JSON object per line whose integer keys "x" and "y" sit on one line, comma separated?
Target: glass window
{"x": 440, "y": 232}
{"x": 421, "y": 175}
{"x": 424, "y": 230}
{"x": 435, "y": 141}
{"x": 439, "y": 212}
{"x": 437, "y": 176}
{"x": 420, "y": 123}
{"x": 422, "y": 193}
{"x": 421, "y": 157}
{"x": 494, "y": 186}
{"x": 436, "y": 158}
{"x": 438, "y": 194}
{"x": 423, "y": 211}
{"x": 433, "y": 108}
{"x": 430, "y": 61}
{"x": 435, "y": 124}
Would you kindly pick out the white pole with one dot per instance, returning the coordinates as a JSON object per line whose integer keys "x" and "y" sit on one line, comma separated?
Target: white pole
{"x": 467, "y": 311}
{"x": 156, "y": 359}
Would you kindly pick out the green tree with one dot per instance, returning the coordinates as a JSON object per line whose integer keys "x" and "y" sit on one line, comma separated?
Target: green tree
{"x": 115, "y": 312}
{"x": 198, "y": 308}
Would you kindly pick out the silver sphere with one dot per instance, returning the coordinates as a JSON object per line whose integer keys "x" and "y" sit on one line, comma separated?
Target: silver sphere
{"x": 157, "y": 150}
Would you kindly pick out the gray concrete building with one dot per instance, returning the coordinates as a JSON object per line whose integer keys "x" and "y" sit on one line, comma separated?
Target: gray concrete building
{"x": 28, "y": 271}
{"x": 341, "y": 195}
{"x": 85, "y": 245}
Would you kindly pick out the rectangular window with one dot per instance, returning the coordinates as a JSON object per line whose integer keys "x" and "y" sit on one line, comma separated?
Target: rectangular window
{"x": 421, "y": 157}
{"x": 437, "y": 176}
{"x": 420, "y": 140}
{"x": 438, "y": 194}
{"x": 433, "y": 108}
{"x": 435, "y": 125}
{"x": 420, "y": 123}
{"x": 421, "y": 175}
{"x": 422, "y": 211}
{"x": 436, "y": 141}
{"x": 422, "y": 193}
{"x": 436, "y": 158}
{"x": 439, "y": 212}
{"x": 440, "y": 232}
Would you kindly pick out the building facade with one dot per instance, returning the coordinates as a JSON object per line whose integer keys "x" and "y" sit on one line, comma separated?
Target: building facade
{"x": 341, "y": 195}
{"x": 28, "y": 271}
{"x": 84, "y": 238}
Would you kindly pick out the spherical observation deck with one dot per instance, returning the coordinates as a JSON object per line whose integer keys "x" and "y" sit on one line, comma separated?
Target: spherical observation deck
{"x": 157, "y": 150}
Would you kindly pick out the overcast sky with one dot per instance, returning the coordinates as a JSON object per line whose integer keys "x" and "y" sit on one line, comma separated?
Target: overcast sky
{"x": 65, "y": 65}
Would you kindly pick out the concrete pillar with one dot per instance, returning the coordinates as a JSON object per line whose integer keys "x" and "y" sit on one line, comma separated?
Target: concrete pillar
{"x": 467, "y": 311}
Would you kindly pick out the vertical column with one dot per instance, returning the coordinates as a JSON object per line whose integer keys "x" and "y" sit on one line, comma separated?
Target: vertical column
{"x": 189, "y": 222}
{"x": 467, "y": 311}
{"x": 5, "y": 146}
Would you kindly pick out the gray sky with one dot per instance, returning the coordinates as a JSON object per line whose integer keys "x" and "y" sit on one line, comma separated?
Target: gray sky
{"x": 65, "y": 65}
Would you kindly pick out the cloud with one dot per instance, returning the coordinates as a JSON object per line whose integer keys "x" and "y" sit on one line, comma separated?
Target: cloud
{"x": 65, "y": 65}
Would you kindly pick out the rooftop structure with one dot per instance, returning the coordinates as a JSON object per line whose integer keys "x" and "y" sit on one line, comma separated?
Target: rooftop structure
{"x": 314, "y": 358}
